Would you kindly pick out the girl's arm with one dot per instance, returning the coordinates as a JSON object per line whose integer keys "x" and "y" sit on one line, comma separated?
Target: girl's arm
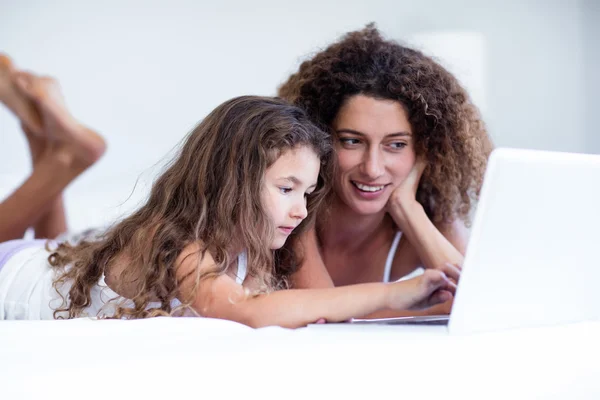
{"x": 222, "y": 297}
{"x": 313, "y": 274}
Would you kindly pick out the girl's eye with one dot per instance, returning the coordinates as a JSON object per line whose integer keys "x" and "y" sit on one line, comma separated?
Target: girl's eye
{"x": 285, "y": 190}
{"x": 349, "y": 141}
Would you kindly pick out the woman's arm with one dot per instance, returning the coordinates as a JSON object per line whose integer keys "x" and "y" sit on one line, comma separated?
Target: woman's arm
{"x": 222, "y": 297}
{"x": 435, "y": 248}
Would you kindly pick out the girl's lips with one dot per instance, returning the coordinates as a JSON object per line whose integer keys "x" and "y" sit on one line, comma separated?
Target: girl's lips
{"x": 286, "y": 229}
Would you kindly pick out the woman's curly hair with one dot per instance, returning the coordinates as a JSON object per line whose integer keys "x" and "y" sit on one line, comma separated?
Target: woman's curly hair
{"x": 448, "y": 130}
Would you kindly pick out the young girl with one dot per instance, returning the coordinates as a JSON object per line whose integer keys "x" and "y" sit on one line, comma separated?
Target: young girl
{"x": 211, "y": 240}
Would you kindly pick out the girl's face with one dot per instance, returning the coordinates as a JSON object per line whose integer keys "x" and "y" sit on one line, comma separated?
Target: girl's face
{"x": 375, "y": 152}
{"x": 288, "y": 181}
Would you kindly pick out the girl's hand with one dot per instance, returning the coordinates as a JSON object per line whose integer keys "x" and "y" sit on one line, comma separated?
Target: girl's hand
{"x": 452, "y": 271}
{"x": 431, "y": 288}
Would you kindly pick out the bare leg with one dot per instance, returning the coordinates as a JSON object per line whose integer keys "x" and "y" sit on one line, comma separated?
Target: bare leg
{"x": 35, "y": 198}
{"x": 61, "y": 151}
{"x": 53, "y": 222}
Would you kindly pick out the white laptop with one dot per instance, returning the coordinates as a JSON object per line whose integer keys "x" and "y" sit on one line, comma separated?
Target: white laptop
{"x": 533, "y": 257}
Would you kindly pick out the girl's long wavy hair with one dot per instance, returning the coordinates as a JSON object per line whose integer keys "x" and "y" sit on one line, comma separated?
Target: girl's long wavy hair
{"x": 449, "y": 132}
{"x": 210, "y": 194}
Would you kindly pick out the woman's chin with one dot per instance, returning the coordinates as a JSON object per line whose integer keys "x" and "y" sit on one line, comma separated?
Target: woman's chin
{"x": 365, "y": 203}
{"x": 367, "y": 208}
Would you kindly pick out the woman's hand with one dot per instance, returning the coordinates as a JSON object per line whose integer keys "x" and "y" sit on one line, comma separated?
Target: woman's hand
{"x": 406, "y": 192}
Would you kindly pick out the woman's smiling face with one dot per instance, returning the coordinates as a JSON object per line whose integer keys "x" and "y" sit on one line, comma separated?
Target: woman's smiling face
{"x": 375, "y": 152}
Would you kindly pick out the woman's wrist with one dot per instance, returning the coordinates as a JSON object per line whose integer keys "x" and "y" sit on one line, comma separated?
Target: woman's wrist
{"x": 402, "y": 210}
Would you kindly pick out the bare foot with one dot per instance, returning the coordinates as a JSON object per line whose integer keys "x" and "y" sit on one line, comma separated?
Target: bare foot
{"x": 14, "y": 99}
{"x": 57, "y": 123}
{"x": 60, "y": 158}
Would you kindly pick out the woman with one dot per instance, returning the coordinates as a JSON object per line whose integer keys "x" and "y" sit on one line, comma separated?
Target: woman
{"x": 411, "y": 152}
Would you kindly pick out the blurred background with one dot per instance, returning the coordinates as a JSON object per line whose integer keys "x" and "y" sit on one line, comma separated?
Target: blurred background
{"x": 143, "y": 73}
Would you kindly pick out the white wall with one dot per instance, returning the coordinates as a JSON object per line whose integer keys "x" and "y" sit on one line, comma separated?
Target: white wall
{"x": 591, "y": 35}
{"x": 144, "y": 72}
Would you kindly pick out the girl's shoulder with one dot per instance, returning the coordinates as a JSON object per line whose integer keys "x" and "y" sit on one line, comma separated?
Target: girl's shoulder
{"x": 192, "y": 254}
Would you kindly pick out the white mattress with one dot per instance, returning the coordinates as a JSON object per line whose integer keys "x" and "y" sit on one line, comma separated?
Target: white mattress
{"x": 168, "y": 358}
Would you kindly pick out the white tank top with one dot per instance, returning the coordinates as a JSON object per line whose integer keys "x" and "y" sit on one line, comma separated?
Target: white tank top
{"x": 390, "y": 260}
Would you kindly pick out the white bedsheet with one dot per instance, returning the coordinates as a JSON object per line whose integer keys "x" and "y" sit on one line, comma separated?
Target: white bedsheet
{"x": 172, "y": 358}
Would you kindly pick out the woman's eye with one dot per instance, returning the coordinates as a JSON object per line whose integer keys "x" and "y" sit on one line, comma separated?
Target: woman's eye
{"x": 285, "y": 190}
{"x": 398, "y": 145}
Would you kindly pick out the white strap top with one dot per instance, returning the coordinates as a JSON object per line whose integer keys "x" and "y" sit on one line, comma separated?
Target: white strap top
{"x": 390, "y": 257}
{"x": 390, "y": 260}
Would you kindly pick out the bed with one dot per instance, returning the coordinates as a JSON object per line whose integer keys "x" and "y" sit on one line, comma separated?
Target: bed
{"x": 171, "y": 358}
